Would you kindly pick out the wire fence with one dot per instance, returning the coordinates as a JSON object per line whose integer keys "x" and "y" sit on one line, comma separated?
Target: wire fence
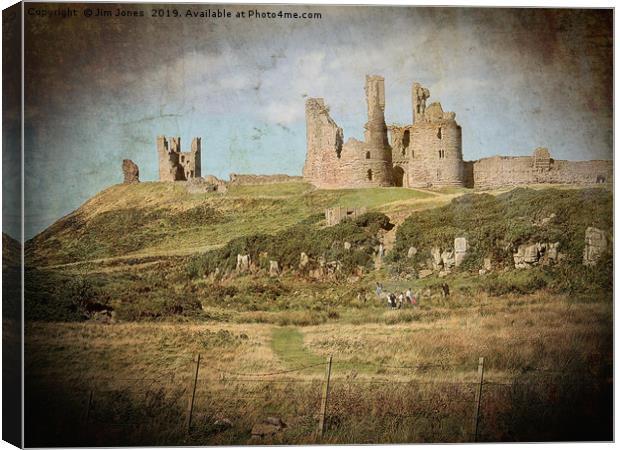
{"x": 439, "y": 402}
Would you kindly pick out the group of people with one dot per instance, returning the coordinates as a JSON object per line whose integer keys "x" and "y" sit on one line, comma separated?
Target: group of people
{"x": 397, "y": 301}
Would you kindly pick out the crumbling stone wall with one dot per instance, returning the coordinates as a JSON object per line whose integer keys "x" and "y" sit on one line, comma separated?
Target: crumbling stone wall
{"x": 332, "y": 163}
{"x": 175, "y": 165}
{"x": 131, "y": 173}
{"x": 427, "y": 153}
{"x": 539, "y": 168}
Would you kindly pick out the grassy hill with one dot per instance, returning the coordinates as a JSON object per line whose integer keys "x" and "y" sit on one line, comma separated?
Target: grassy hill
{"x": 150, "y": 219}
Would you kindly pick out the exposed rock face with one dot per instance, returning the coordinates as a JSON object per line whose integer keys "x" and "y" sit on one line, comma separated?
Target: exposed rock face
{"x": 131, "y": 173}
{"x": 304, "y": 260}
{"x": 442, "y": 260}
{"x": 243, "y": 263}
{"x": 424, "y": 273}
{"x": 488, "y": 265}
{"x": 175, "y": 165}
{"x": 274, "y": 269}
{"x": 529, "y": 255}
{"x": 596, "y": 244}
{"x": 460, "y": 250}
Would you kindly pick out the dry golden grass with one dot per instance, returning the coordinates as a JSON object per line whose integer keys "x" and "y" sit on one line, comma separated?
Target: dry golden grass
{"x": 385, "y": 383}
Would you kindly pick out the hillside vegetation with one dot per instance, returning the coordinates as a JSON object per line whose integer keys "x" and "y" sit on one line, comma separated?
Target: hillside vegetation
{"x": 164, "y": 219}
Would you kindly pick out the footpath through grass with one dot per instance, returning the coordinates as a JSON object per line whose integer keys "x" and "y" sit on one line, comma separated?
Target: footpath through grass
{"x": 288, "y": 344}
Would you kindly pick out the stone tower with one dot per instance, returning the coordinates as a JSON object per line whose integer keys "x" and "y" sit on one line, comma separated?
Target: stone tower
{"x": 175, "y": 165}
{"x": 376, "y": 152}
{"x": 435, "y": 144}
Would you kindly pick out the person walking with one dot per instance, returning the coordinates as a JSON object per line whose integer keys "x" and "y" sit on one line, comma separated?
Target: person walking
{"x": 408, "y": 296}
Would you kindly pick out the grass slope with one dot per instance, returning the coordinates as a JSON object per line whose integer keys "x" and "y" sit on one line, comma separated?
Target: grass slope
{"x": 164, "y": 219}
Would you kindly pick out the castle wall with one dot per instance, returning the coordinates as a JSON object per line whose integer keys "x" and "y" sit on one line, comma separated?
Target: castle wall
{"x": 330, "y": 163}
{"x": 427, "y": 153}
{"x": 508, "y": 171}
{"x": 324, "y": 140}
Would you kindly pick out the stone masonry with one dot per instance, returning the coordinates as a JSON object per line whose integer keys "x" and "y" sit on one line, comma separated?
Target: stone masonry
{"x": 427, "y": 153}
{"x": 175, "y": 165}
{"x": 131, "y": 173}
{"x": 332, "y": 163}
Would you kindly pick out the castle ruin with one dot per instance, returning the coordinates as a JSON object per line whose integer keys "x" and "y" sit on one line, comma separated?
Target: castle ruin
{"x": 175, "y": 165}
{"x": 427, "y": 153}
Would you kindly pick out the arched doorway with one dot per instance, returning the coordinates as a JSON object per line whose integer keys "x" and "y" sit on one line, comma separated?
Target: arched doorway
{"x": 398, "y": 174}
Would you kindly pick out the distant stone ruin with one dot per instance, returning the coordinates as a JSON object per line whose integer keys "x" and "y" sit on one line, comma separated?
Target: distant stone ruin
{"x": 175, "y": 165}
{"x": 426, "y": 153}
{"x": 131, "y": 173}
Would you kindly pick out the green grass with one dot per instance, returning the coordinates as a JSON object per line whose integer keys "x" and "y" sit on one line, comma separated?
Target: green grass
{"x": 288, "y": 344}
{"x": 164, "y": 219}
{"x": 270, "y": 190}
{"x": 373, "y": 197}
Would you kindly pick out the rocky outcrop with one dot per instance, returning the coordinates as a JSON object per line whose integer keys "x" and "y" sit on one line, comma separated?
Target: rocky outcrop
{"x": 131, "y": 173}
{"x": 243, "y": 263}
{"x": 460, "y": 250}
{"x": 268, "y": 428}
{"x": 533, "y": 254}
{"x": 304, "y": 260}
{"x": 596, "y": 245}
{"x": 274, "y": 269}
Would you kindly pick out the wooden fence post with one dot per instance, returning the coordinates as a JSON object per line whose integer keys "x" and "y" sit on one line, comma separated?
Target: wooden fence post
{"x": 90, "y": 402}
{"x": 190, "y": 405}
{"x": 328, "y": 372}
{"x": 477, "y": 400}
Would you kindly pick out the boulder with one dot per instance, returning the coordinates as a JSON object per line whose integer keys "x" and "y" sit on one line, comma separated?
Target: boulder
{"x": 268, "y": 428}
{"x": 436, "y": 258}
{"x": 596, "y": 244}
{"x": 487, "y": 264}
{"x": 131, "y": 173}
{"x": 243, "y": 263}
{"x": 526, "y": 256}
{"x": 460, "y": 250}
{"x": 347, "y": 246}
{"x": 222, "y": 424}
{"x": 424, "y": 273}
{"x": 303, "y": 260}
{"x": 412, "y": 252}
{"x": 274, "y": 269}
{"x": 447, "y": 259}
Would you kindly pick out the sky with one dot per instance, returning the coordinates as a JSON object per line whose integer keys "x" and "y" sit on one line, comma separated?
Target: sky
{"x": 100, "y": 89}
